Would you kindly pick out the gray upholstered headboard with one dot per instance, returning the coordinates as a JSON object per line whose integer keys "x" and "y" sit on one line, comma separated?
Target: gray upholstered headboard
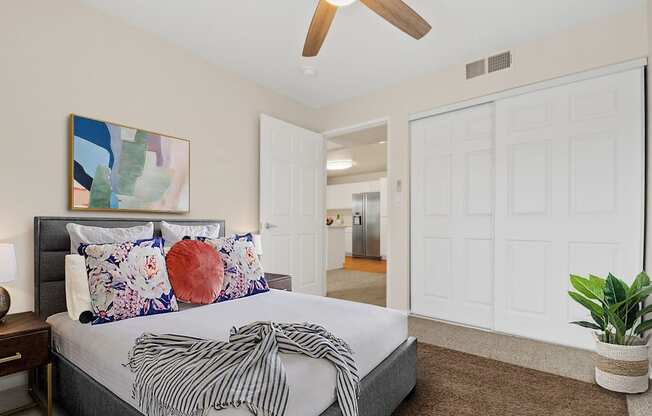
{"x": 51, "y": 244}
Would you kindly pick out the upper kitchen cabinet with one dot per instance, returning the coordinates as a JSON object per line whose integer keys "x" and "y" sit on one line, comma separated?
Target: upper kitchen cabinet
{"x": 340, "y": 196}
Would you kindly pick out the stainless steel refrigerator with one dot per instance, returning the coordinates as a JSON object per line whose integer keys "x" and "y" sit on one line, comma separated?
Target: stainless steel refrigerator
{"x": 366, "y": 225}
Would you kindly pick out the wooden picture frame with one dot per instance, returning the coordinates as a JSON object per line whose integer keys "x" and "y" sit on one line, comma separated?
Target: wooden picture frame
{"x": 115, "y": 167}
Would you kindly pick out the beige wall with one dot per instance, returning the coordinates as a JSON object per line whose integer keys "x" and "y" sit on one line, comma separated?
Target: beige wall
{"x": 616, "y": 39}
{"x": 59, "y": 57}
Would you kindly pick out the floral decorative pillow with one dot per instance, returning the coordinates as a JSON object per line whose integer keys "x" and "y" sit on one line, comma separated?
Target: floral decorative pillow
{"x": 243, "y": 274}
{"x": 127, "y": 280}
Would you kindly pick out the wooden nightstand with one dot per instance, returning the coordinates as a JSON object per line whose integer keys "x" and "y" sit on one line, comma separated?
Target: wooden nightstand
{"x": 279, "y": 281}
{"x": 24, "y": 346}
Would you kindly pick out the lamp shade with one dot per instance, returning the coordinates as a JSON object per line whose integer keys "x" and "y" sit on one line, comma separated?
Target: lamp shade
{"x": 258, "y": 244}
{"x": 8, "y": 267}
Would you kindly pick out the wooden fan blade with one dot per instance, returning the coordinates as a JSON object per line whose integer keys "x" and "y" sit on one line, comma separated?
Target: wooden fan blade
{"x": 319, "y": 26}
{"x": 400, "y": 15}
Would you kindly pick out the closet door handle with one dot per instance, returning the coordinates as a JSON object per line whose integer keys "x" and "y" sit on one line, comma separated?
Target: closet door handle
{"x": 14, "y": 357}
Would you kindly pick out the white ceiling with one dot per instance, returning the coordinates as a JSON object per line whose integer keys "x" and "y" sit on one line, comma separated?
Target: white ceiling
{"x": 368, "y": 158}
{"x": 366, "y": 148}
{"x": 262, "y": 39}
{"x": 358, "y": 138}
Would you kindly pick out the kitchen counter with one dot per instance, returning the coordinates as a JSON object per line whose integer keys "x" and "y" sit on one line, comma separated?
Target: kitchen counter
{"x": 336, "y": 247}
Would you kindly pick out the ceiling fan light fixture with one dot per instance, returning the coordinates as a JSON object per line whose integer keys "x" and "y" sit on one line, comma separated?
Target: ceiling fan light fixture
{"x": 342, "y": 164}
{"x": 341, "y": 3}
{"x": 396, "y": 12}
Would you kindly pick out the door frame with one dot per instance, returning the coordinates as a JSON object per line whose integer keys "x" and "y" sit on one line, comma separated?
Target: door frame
{"x": 352, "y": 128}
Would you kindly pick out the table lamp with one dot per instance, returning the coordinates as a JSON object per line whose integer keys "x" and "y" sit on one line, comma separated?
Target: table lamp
{"x": 8, "y": 271}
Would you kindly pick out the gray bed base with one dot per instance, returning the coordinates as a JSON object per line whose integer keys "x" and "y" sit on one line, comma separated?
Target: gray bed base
{"x": 78, "y": 394}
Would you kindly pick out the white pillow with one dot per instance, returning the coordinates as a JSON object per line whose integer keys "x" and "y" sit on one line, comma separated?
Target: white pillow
{"x": 84, "y": 234}
{"x": 173, "y": 233}
{"x": 78, "y": 296}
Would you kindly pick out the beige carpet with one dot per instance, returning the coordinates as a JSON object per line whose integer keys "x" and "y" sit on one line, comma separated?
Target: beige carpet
{"x": 458, "y": 384}
{"x": 357, "y": 286}
{"x": 640, "y": 404}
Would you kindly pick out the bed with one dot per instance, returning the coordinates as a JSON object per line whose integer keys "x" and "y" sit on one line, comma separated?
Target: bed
{"x": 89, "y": 378}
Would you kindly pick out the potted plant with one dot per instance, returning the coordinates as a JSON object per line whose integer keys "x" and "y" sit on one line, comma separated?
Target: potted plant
{"x": 622, "y": 361}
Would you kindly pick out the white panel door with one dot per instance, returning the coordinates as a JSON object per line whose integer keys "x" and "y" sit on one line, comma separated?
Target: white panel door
{"x": 569, "y": 186}
{"x": 292, "y": 207}
{"x": 452, "y": 191}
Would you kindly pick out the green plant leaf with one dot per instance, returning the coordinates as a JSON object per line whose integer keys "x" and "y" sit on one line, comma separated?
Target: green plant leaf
{"x": 623, "y": 284}
{"x": 600, "y": 281}
{"x": 599, "y": 320}
{"x": 641, "y": 281}
{"x": 588, "y": 288}
{"x": 619, "y": 325}
{"x": 644, "y": 326}
{"x": 591, "y": 306}
{"x": 635, "y": 298}
{"x": 644, "y": 311}
{"x": 630, "y": 312}
{"x": 586, "y": 324}
{"x": 641, "y": 295}
{"x": 614, "y": 290}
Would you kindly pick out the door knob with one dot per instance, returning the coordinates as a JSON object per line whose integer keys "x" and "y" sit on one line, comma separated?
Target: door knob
{"x": 269, "y": 226}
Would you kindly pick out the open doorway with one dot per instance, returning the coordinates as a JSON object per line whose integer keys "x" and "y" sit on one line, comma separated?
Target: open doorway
{"x": 357, "y": 214}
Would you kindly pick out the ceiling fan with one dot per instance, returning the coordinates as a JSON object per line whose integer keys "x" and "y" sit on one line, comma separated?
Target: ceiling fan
{"x": 395, "y": 12}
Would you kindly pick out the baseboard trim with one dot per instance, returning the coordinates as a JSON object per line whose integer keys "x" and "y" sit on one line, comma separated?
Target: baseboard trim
{"x": 551, "y": 358}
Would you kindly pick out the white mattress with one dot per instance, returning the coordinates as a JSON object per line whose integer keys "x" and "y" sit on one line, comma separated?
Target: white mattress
{"x": 372, "y": 332}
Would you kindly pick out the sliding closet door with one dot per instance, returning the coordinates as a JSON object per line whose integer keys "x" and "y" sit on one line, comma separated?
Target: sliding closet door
{"x": 452, "y": 206}
{"x": 569, "y": 186}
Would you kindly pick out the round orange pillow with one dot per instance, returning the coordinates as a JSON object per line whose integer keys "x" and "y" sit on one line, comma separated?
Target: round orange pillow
{"x": 196, "y": 272}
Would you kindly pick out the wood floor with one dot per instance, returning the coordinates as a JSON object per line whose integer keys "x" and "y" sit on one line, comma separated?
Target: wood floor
{"x": 365, "y": 265}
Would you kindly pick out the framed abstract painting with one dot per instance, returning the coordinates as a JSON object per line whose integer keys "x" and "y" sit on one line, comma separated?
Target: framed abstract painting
{"x": 121, "y": 168}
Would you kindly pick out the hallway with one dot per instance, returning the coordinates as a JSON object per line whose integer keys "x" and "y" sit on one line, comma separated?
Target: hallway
{"x": 361, "y": 280}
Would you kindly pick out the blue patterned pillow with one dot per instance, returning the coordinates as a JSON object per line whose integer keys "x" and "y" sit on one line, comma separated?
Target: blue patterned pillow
{"x": 243, "y": 274}
{"x": 128, "y": 280}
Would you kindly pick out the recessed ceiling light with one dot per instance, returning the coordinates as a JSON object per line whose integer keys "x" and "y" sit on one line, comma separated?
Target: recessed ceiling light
{"x": 382, "y": 142}
{"x": 341, "y": 3}
{"x": 342, "y": 164}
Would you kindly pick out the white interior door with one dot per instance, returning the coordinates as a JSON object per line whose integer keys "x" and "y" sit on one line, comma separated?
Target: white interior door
{"x": 452, "y": 191}
{"x": 569, "y": 181}
{"x": 292, "y": 207}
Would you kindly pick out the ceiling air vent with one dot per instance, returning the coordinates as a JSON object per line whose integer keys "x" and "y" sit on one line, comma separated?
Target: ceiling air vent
{"x": 475, "y": 69}
{"x": 499, "y": 62}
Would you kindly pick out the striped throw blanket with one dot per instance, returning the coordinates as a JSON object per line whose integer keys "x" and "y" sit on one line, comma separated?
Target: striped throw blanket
{"x": 183, "y": 376}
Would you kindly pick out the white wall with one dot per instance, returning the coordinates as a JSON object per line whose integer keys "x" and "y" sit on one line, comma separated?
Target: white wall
{"x": 59, "y": 57}
{"x": 360, "y": 177}
{"x": 615, "y": 39}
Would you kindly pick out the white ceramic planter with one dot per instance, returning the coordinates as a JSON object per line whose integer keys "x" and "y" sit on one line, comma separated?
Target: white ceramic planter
{"x": 623, "y": 368}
